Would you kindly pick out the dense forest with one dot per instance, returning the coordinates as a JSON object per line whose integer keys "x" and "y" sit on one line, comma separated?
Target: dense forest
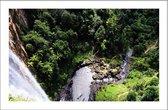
{"x": 59, "y": 40}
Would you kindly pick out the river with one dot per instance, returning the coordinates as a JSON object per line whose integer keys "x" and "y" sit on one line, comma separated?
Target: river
{"x": 81, "y": 84}
{"x": 82, "y": 80}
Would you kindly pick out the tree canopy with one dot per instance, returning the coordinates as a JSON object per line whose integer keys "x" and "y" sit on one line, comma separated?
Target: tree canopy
{"x": 60, "y": 39}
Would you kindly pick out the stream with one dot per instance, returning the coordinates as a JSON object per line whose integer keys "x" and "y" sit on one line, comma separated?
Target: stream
{"x": 82, "y": 87}
{"x": 81, "y": 84}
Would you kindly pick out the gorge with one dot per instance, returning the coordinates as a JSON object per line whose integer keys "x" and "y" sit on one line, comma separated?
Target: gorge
{"x": 77, "y": 55}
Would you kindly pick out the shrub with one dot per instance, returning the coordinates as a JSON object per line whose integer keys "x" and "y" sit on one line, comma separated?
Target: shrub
{"x": 135, "y": 74}
{"x": 131, "y": 96}
{"x": 151, "y": 93}
{"x": 112, "y": 93}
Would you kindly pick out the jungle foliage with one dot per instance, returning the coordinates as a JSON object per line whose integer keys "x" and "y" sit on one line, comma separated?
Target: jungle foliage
{"x": 60, "y": 39}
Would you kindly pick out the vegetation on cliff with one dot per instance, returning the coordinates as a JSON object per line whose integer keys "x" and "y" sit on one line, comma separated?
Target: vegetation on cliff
{"x": 61, "y": 39}
{"x": 12, "y": 98}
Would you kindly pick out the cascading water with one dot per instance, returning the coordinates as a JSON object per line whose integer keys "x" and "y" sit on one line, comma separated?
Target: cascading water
{"x": 83, "y": 78}
{"x": 124, "y": 71}
{"x": 81, "y": 84}
{"x": 21, "y": 82}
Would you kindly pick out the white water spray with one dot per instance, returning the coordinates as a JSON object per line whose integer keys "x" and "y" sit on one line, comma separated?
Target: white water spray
{"x": 81, "y": 84}
{"x": 124, "y": 72}
{"x": 21, "y": 82}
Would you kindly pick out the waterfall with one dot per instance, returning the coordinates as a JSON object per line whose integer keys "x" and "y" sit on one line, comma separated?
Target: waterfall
{"x": 125, "y": 66}
{"x": 129, "y": 53}
{"x": 21, "y": 81}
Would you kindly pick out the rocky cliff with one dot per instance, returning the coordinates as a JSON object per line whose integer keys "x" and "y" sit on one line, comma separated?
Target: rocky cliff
{"x": 17, "y": 26}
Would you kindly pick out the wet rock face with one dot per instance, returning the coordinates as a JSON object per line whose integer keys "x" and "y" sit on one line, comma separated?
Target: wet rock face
{"x": 66, "y": 92}
{"x": 17, "y": 27}
{"x": 94, "y": 89}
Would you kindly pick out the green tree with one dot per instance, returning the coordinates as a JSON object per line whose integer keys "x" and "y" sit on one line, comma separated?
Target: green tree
{"x": 131, "y": 96}
{"x": 59, "y": 40}
{"x": 43, "y": 29}
{"x": 151, "y": 94}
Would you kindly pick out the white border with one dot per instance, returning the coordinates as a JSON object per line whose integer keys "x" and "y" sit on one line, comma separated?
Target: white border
{"x": 83, "y": 105}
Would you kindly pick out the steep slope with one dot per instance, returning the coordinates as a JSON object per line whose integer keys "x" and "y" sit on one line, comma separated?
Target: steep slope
{"x": 17, "y": 27}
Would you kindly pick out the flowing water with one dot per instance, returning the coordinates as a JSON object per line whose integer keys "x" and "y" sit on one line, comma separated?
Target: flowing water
{"x": 23, "y": 84}
{"x": 81, "y": 84}
{"x": 125, "y": 66}
{"x": 83, "y": 78}
{"x": 21, "y": 81}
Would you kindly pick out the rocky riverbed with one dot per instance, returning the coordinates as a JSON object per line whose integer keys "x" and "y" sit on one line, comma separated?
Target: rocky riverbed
{"x": 104, "y": 73}
{"x": 101, "y": 73}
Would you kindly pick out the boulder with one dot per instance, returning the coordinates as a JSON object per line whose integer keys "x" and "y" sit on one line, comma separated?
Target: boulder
{"x": 104, "y": 72}
{"x": 96, "y": 66}
{"x": 106, "y": 65}
{"x": 105, "y": 75}
{"x": 109, "y": 71}
{"x": 100, "y": 77}
{"x": 102, "y": 63}
{"x": 97, "y": 71}
{"x": 102, "y": 68}
{"x": 118, "y": 77}
{"x": 115, "y": 71}
{"x": 109, "y": 76}
{"x": 95, "y": 76}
